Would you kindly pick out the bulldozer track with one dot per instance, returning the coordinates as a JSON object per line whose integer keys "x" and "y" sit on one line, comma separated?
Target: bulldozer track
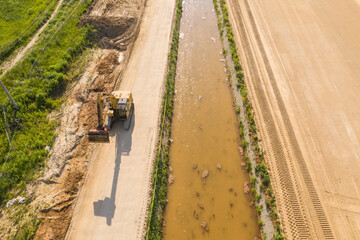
{"x": 299, "y": 205}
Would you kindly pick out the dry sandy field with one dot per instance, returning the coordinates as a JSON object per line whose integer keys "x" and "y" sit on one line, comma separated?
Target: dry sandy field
{"x": 302, "y": 63}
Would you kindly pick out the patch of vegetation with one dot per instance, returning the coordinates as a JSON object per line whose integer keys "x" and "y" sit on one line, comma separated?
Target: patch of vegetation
{"x": 260, "y": 168}
{"x": 36, "y": 84}
{"x": 160, "y": 175}
{"x": 28, "y": 229}
{"x": 19, "y": 20}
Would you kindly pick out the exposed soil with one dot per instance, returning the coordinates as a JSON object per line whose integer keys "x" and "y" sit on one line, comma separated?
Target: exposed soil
{"x": 55, "y": 193}
{"x": 113, "y": 201}
{"x": 117, "y": 28}
{"x": 67, "y": 165}
{"x": 115, "y": 21}
{"x": 301, "y": 61}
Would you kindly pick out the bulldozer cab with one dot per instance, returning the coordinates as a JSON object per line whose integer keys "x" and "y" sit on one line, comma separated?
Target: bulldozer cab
{"x": 117, "y": 105}
{"x": 123, "y": 101}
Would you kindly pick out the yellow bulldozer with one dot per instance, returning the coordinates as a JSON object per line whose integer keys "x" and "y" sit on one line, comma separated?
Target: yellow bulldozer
{"x": 118, "y": 105}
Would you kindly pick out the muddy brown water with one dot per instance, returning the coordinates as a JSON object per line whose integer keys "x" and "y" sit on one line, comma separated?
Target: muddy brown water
{"x": 205, "y": 134}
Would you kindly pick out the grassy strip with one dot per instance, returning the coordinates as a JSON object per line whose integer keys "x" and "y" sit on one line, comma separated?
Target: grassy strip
{"x": 19, "y": 20}
{"x": 28, "y": 228}
{"x": 37, "y": 93}
{"x": 160, "y": 178}
{"x": 260, "y": 168}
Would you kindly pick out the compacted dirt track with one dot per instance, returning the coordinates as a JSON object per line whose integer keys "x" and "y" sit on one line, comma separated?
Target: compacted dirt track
{"x": 113, "y": 201}
{"x": 302, "y": 62}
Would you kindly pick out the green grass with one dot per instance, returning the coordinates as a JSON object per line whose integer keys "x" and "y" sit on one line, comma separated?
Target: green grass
{"x": 37, "y": 93}
{"x": 161, "y": 165}
{"x": 260, "y": 168}
{"x": 19, "y": 20}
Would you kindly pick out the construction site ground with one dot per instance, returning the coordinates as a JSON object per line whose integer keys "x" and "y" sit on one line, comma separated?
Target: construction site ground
{"x": 113, "y": 201}
{"x": 109, "y": 183}
{"x": 302, "y": 64}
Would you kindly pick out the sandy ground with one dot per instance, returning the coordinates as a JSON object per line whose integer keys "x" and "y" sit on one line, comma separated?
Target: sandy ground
{"x": 113, "y": 201}
{"x": 302, "y": 62}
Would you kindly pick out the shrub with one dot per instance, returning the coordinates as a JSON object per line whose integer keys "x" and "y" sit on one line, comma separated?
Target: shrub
{"x": 40, "y": 100}
{"x": 245, "y": 144}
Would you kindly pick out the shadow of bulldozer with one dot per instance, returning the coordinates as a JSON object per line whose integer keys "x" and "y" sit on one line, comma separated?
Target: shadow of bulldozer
{"x": 106, "y": 208}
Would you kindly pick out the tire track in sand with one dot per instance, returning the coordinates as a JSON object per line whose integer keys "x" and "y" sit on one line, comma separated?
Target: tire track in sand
{"x": 300, "y": 208}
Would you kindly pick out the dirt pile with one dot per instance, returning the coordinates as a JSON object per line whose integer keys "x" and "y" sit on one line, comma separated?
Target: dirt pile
{"x": 115, "y": 28}
{"x": 67, "y": 165}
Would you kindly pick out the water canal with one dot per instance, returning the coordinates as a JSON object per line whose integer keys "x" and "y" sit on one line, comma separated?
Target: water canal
{"x": 206, "y": 199}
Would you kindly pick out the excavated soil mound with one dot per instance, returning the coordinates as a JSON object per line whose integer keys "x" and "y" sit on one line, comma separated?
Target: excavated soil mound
{"x": 115, "y": 24}
{"x": 107, "y": 63}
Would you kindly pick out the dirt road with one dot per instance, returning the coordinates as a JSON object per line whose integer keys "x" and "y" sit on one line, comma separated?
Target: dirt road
{"x": 302, "y": 62}
{"x": 113, "y": 201}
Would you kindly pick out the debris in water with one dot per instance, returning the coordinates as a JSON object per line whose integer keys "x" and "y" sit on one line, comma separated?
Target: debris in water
{"x": 231, "y": 189}
{"x": 18, "y": 199}
{"x": 201, "y": 206}
{"x": 194, "y": 166}
{"x": 197, "y": 194}
{"x": 170, "y": 169}
{"x": 191, "y": 93}
{"x": 204, "y": 226}
{"x": 218, "y": 166}
{"x": 222, "y": 60}
{"x": 195, "y": 215}
{"x": 243, "y": 164}
{"x": 201, "y": 127}
{"x": 213, "y": 39}
{"x": 181, "y": 35}
{"x": 200, "y": 97}
{"x": 171, "y": 179}
{"x": 171, "y": 140}
{"x": 231, "y": 204}
{"x": 246, "y": 187}
{"x": 204, "y": 175}
{"x": 241, "y": 151}
{"x": 175, "y": 91}
{"x": 203, "y": 18}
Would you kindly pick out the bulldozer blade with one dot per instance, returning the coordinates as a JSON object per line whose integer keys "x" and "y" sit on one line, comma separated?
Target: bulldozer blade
{"x": 98, "y": 135}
